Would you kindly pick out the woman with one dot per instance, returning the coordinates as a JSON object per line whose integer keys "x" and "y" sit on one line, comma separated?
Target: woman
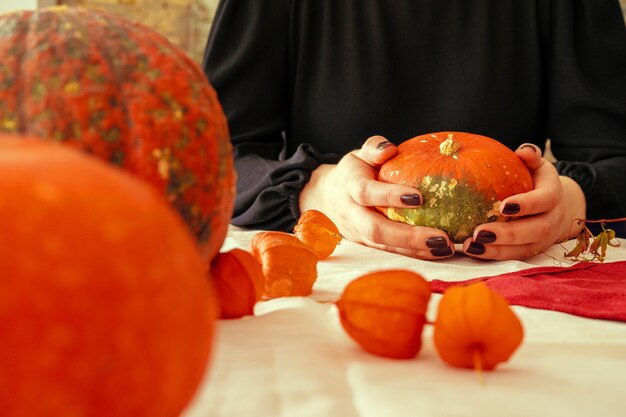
{"x": 306, "y": 82}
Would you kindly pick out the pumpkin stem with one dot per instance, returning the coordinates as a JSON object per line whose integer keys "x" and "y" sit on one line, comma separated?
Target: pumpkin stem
{"x": 449, "y": 146}
{"x": 478, "y": 365}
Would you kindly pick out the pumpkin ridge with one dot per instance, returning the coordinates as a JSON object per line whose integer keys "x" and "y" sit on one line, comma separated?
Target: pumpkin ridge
{"x": 177, "y": 182}
{"x": 37, "y": 59}
{"x": 13, "y": 123}
{"x": 107, "y": 66}
{"x": 118, "y": 73}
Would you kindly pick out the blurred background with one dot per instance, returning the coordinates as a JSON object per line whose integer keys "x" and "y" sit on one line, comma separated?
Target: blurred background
{"x": 184, "y": 22}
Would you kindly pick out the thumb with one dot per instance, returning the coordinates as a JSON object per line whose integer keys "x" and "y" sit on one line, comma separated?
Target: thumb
{"x": 376, "y": 150}
{"x": 530, "y": 154}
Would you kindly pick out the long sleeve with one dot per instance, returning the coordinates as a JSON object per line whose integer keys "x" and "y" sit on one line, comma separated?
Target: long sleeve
{"x": 587, "y": 100}
{"x": 247, "y": 60}
{"x": 305, "y": 81}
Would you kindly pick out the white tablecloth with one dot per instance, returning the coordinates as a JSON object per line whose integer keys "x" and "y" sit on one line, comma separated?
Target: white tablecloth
{"x": 293, "y": 358}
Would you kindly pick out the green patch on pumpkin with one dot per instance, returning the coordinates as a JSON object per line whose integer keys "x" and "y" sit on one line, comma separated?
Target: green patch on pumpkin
{"x": 449, "y": 205}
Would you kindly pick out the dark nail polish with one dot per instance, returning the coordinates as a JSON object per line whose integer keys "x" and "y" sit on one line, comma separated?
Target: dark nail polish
{"x": 383, "y": 145}
{"x": 437, "y": 242}
{"x": 441, "y": 252}
{"x": 511, "y": 208}
{"x": 485, "y": 237}
{"x": 475, "y": 248}
{"x": 411, "y": 199}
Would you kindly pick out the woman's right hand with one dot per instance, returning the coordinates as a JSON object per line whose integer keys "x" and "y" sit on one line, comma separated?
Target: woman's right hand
{"x": 348, "y": 193}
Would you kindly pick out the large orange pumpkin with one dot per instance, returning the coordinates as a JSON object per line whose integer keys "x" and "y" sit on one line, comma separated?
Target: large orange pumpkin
{"x": 105, "y": 309}
{"x": 121, "y": 91}
{"x": 463, "y": 178}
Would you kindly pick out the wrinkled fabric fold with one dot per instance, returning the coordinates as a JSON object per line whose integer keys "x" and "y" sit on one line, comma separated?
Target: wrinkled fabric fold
{"x": 586, "y": 289}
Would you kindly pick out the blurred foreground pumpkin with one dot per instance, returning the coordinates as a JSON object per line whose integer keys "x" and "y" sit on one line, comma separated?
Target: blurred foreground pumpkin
{"x": 122, "y": 92}
{"x": 476, "y": 328}
{"x": 463, "y": 178}
{"x": 105, "y": 309}
{"x": 385, "y": 312}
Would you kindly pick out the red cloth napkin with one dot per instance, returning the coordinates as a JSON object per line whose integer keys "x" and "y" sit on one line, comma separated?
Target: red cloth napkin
{"x": 587, "y": 289}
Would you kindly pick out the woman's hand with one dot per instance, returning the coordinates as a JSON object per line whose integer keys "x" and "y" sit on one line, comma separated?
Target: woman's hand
{"x": 539, "y": 218}
{"x": 348, "y": 192}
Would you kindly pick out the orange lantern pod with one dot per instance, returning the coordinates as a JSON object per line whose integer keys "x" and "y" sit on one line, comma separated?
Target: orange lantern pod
{"x": 238, "y": 280}
{"x": 289, "y": 266}
{"x": 385, "y": 312}
{"x": 476, "y": 328}
{"x": 319, "y": 232}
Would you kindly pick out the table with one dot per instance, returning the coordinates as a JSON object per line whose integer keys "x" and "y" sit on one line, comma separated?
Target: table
{"x": 293, "y": 358}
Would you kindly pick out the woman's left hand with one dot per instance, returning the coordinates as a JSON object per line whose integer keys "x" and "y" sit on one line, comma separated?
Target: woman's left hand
{"x": 539, "y": 218}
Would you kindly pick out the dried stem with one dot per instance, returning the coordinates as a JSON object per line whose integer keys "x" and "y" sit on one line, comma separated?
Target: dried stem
{"x": 478, "y": 365}
{"x": 594, "y": 247}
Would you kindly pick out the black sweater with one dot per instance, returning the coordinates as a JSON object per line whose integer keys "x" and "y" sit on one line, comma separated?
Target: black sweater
{"x": 302, "y": 82}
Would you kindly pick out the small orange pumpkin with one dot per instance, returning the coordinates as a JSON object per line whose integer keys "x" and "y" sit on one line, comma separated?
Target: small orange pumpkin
{"x": 319, "y": 232}
{"x": 289, "y": 266}
{"x": 385, "y": 312}
{"x": 463, "y": 178}
{"x": 476, "y": 328}
{"x": 238, "y": 279}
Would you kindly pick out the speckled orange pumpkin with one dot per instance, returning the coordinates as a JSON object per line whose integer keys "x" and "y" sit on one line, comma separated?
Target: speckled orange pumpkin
{"x": 123, "y": 92}
{"x": 463, "y": 178}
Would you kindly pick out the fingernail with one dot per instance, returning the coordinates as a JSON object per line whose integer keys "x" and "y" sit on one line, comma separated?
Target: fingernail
{"x": 511, "y": 208}
{"x": 485, "y": 236}
{"x": 475, "y": 248}
{"x": 528, "y": 145}
{"x": 441, "y": 252}
{"x": 437, "y": 242}
{"x": 383, "y": 145}
{"x": 411, "y": 199}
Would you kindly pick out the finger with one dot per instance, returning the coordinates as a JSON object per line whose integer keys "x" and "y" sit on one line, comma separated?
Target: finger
{"x": 521, "y": 231}
{"x": 544, "y": 197}
{"x": 375, "y": 230}
{"x": 376, "y": 150}
{"x": 424, "y": 254}
{"x": 516, "y": 239}
{"x": 530, "y": 154}
{"x": 371, "y": 193}
{"x": 503, "y": 252}
{"x": 366, "y": 191}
